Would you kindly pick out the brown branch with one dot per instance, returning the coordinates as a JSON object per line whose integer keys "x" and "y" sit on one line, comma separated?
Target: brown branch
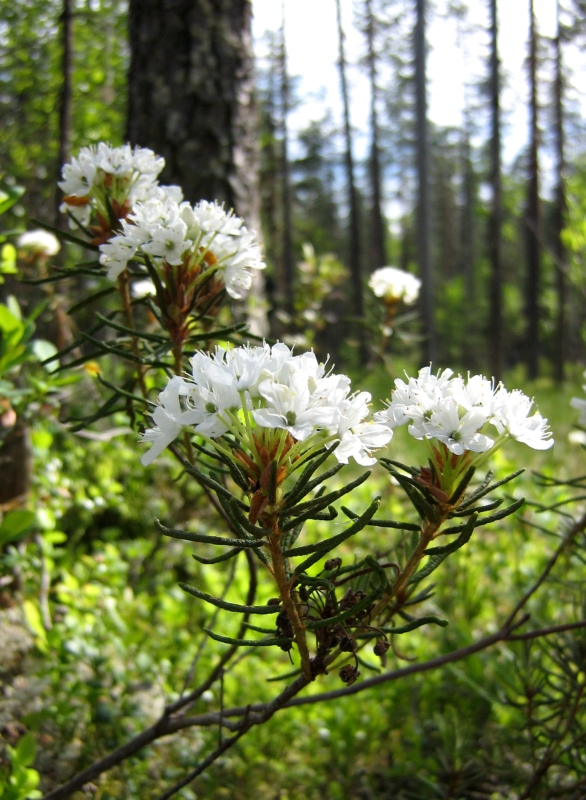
{"x": 166, "y": 724}
{"x": 250, "y": 721}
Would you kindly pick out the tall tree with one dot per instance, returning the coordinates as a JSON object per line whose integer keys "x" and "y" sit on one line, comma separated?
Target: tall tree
{"x": 191, "y": 96}
{"x": 377, "y": 221}
{"x": 532, "y": 213}
{"x": 64, "y": 153}
{"x": 355, "y": 245}
{"x": 559, "y": 205}
{"x": 495, "y": 323}
{"x": 423, "y": 192}
{"x": 287, "y": 274}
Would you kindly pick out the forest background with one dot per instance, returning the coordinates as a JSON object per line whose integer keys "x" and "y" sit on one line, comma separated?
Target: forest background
{"x": 97, "y": 633}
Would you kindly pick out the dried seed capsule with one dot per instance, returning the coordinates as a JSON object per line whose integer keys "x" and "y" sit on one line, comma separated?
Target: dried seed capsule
{"x": 349, "y": 674}
{"x": 381, "y": 647}
{"x": 333, "y": 563}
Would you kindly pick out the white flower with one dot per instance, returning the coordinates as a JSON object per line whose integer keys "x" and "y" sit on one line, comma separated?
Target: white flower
{"x": 358, "y": 438}
{"x": 455, "y": 411}
{"x": 168, "y": 243}
{"x": 39, "y": 241}
{"x": 169, "y": 419}
{"x": 288, "y": 407}
{"x": 142, "y": 288}
{"x": 395, "y": 284}
{"x": 458, "y": 433}
{"x": 271, "y": 389}
{"x": 511, "y": 416}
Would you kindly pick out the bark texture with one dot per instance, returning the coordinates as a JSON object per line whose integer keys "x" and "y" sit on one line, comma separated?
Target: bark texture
{"x": 64, "y": 102}
{"x": 495, "y": 325}
{"x": 377, "y": 221}
{"x": 191, "y": 99}
{"x": 355, "y": 244}
{"x": 191, "y": 96}
{"x": 423, "y": 200}
{"x": 560, "y": 208}
{"x": 533, "y": 212}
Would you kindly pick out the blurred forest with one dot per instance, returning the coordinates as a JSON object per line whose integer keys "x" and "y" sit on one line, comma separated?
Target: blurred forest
{"x": 95, "y": 635}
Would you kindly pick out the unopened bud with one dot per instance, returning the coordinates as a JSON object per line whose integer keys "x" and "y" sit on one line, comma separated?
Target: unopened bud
{"x": 333, "y": 563}
{"x": 381, "y": 647}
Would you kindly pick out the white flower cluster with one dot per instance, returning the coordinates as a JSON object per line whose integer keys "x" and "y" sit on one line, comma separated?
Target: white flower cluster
{"x": 394, "y": 284}
{"x": 127, "y": 174}
{"x": 274, "y": 389}
{"x": 171, "y": 231}
{"x": 580, "y": 404}
{"x": 456, "y": 412}
{"x": 39, "y": 241}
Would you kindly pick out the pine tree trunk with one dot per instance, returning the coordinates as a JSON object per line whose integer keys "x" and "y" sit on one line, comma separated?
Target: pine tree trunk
{"x": 64, "y": 102}
{"x": 355, "y": 246}
{"x": 423, "y": 204}
{"x": 559, "y": 209}
{"x": 286, "y": 288}
{"x": 191, "y": 97}
{"x": 495, "y": 323}
{"x": 378, "y": 226}
{"x": 467, "y": 222}
{"x": 532, "y": 215}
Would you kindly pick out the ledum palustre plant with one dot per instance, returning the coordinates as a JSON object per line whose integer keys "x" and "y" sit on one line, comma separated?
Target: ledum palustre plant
{"x": 274, "y": 439}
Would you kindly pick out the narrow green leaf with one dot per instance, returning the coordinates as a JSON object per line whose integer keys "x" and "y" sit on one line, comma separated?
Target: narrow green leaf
{"x": 225, "y": 557}
{"x": 485, "y": 488}
{"x": 216, "y": 601}
{"x": 279, "y": 640}
{"x": 336, "y": 540}
{"x": 384, "y": 523}
{"x": 205, "y": 538}
{"x": 91, "y": 299}
{"x": 69, "y": 237}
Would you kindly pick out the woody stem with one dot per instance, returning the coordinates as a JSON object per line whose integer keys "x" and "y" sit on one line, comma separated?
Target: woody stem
{"x": 427, "y": 533}
{"x": 124, "y": 289}
{"x": 289, "y": 604}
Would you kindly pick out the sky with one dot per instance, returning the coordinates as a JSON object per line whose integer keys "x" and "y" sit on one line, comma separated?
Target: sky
{"x": 312, "y": 49}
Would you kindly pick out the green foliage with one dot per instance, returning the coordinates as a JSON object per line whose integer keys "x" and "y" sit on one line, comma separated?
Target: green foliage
{"x": 21, "y": 781}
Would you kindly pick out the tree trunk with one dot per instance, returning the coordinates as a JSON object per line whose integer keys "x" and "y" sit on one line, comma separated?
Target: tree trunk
{"x": 495, "y": 323}
{"x": 355, "y": 248}
{"x": 64, "y": 153}
{"x": 532, "y": 215}
{"x": 423, "y": 204}
{"x": 467, "y": 222}
{"x": 378, "y": 225}
{"x": 286, "y": 287}
{"x": 559, "y": 208}
{"x": 191, "y": 97}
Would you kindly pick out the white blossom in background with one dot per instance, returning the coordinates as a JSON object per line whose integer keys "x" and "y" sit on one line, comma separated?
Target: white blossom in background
{"x": 392, "y": 285}
{"x": 204, "y": 235}
{"x": 469, "y": 414}
{"x": 106, "y": 180}
{"x": 262, "y": 394}
{"x": 579, "y": 403}
{"x": 39, "y": 241}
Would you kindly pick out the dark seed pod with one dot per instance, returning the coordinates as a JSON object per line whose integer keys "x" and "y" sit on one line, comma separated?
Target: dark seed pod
{"x": 381, "y": 647}
{"x": 303, "y": 593}
{"x": 349, "y": 674}
{"x": 347, "y": 645}
{"x": 274, "y": 601}
{"x": 286, "y": 647}
{"x": 333, "y": 563}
